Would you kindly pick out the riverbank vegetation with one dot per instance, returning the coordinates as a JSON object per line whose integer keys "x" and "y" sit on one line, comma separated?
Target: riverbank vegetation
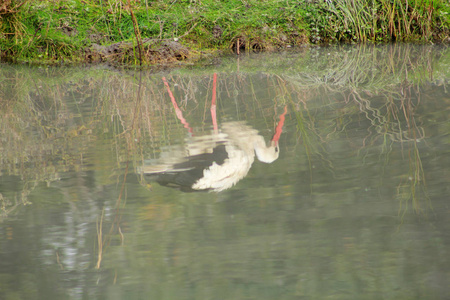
{"x": 171, "y": 31}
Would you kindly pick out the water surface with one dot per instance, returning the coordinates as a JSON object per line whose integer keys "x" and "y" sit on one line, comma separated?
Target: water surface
{"x": 355, "y": 207}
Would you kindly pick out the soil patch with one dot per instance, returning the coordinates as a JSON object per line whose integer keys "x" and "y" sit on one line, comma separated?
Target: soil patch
{"x": 154, "y": 51}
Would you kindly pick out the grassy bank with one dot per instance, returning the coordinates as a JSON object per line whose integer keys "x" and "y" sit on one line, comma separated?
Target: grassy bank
{"x": 170, "y": 31}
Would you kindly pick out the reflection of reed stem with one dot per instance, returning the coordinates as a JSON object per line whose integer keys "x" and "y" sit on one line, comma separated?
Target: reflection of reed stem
{"x": 58, "y": 261}
{"x": 100, "y": 240}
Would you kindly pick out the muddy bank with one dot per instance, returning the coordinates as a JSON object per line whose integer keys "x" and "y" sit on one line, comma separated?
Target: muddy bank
{"x": 150, "y": 51}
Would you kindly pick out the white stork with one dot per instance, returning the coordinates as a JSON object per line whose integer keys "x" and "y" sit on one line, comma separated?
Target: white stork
{"x": 217, "y": 161}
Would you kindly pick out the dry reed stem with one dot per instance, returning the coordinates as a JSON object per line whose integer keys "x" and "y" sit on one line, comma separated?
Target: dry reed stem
{"x": 100, "y": 241}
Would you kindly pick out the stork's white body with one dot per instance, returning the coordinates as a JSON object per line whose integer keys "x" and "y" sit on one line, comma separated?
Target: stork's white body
{"x": 214, "y": 162}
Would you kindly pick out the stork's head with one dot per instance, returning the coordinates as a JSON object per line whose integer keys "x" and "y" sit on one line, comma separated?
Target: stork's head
{"x": 271, "y": 153}
{"x": 268, "y": 154}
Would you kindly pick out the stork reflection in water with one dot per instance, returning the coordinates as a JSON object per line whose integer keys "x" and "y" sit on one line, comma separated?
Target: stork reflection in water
{"x": 217, "y": 161}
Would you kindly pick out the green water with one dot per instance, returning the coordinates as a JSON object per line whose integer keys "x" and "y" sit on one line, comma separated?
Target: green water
{"x": 355, "y": 207}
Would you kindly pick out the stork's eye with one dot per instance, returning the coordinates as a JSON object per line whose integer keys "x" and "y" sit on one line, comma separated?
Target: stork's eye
{"x": 276, "y": 149}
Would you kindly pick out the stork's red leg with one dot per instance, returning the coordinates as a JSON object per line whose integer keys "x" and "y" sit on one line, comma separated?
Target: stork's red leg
{"x": 177, "y": 109}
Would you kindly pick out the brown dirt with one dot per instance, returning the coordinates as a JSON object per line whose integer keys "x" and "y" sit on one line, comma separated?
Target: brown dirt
{"x": 153, "y": 51}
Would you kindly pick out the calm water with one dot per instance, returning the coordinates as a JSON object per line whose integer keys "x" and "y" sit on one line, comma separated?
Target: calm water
{"x": 355, "y": 207}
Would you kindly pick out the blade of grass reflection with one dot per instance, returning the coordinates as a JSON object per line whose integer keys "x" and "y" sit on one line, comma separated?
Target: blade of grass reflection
{"x": 100, "y": 242}
{"x": 305, "y": 125}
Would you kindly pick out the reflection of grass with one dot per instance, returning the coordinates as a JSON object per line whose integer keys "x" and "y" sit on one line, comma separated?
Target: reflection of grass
{"x": 35, "y": 119}
{"x": 6, "y": 206}
{"x": 100, "y": 240}
{"x": 409, "y": 189}
{"x": 41, "y": 117}
{"x": 377, "y": 88}
{"x": 394, "y": 123}
{"x": 305, "y": 122}
{"x": 366, "y": 68}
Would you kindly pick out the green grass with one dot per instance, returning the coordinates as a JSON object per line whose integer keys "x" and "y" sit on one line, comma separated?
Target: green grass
{"x": 380, "y": 20}
{"x": 56, "y": 30}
